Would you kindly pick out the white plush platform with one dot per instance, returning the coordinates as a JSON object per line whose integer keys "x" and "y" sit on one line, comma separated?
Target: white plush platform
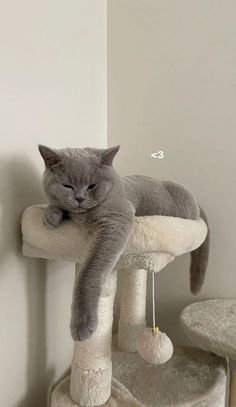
{"x": 120, "y": 396}
{"x": 192, "y": 378}
{"x": 211, "y": 325}
{"x": 154, "y": 242}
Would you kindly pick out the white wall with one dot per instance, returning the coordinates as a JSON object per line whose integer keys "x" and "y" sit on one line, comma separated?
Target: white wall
{"x": 52, "y": 91}
{"x": 172, "y": 87}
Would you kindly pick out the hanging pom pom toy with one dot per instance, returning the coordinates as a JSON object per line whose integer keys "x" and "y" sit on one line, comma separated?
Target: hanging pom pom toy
{"x": 153, "y": 345}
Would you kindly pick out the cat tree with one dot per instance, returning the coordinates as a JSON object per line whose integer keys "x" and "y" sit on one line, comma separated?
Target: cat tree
{"x": 190, "y": 378}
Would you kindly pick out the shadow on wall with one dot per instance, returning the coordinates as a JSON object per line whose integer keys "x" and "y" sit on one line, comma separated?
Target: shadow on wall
{"x": 39, "y": 377}
{"x": 20, "y": 187}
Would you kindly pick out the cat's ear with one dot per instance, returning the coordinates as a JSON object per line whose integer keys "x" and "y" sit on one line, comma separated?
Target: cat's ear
{"x": 50, "y": 156}
{"x": 108, "y": 155}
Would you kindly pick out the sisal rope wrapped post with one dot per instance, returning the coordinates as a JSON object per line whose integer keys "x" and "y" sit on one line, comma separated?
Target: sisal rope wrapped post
{"x": 132, "y": 308}
{"x": 91, "y": 369}
{"x": 232, "y": 384}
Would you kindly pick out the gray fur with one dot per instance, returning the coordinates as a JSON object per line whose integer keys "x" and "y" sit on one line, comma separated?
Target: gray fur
{"x": 83, "y": 185}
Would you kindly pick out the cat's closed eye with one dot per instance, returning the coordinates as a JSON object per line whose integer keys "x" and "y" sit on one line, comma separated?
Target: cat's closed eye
{"x": 91, "y": 186}
{"x": 68, "y": 186}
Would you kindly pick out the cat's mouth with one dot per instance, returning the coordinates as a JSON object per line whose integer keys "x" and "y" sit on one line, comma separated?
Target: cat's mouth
{"x": 79, "y": 207}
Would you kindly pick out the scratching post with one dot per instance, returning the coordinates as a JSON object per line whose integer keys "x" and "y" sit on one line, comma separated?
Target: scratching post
{"x": 132, "y": 308}
{"x": 189, "y": 378}
{"x": 91, "y": 368}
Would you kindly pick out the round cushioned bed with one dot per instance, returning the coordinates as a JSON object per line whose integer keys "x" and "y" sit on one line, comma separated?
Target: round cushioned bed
{"x": 155, "y": 240}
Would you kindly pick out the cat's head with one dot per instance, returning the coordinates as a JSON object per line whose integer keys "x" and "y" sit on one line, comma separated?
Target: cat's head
{"x": 78, "y": 179}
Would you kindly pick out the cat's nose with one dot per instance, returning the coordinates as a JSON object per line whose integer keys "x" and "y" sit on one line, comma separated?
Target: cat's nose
{"x": 80, "y": 199}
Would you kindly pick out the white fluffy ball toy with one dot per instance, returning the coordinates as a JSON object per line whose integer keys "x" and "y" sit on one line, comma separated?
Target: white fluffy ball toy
{"x": 153, "y": 345}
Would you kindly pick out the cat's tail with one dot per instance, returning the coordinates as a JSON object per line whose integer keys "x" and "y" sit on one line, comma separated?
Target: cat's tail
{"x": 199, "y": 261}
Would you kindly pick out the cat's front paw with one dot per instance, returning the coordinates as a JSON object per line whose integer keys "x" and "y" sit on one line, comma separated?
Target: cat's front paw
{"x": 82, "y": 327}
{"x": 52, "y": 217}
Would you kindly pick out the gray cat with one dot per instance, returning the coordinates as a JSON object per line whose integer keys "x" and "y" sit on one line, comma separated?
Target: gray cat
{"x": 83, "y": 185}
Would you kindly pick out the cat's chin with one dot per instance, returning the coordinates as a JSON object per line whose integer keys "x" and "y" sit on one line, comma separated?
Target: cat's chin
{"x": 79, "y": 210}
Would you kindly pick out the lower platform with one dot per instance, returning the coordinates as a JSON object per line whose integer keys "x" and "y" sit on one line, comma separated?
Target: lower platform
{"x": 120, "y": 396}
{"x": 192, "y": 378}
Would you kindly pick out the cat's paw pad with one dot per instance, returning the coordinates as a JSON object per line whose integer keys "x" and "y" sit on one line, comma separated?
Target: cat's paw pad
{"x": 52, "y": 217}
{"x": 83, "y": 329}
{"x": 80, "y": 332}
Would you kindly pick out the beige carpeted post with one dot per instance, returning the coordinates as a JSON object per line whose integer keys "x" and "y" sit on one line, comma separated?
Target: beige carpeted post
{"x": 91, "y": 365}
{"x": 232, "y": 385}
{"x": 132, "y": 308}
